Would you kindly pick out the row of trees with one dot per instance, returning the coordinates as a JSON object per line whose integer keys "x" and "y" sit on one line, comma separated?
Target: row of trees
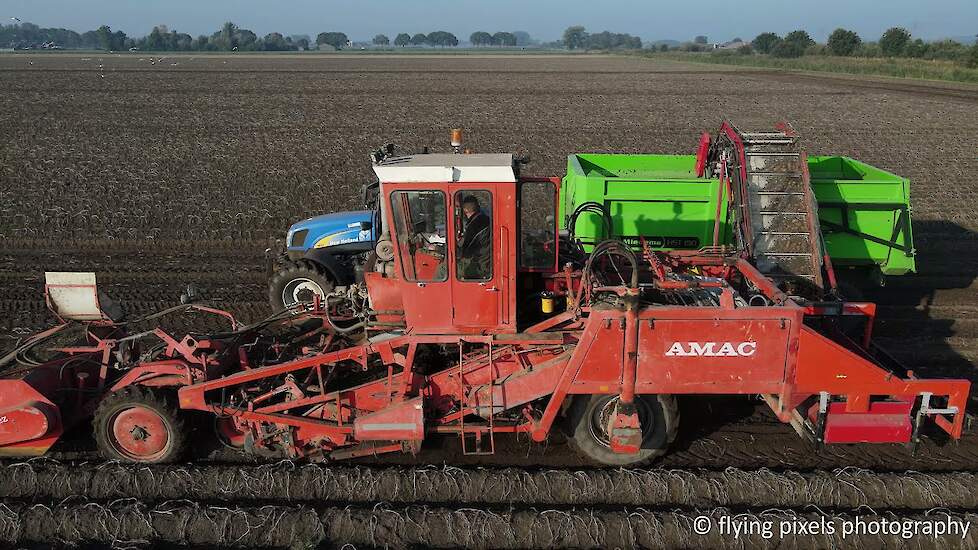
{"x": 447, "y": 39}
{"x": 436, "y": 38}
{"x": 29, "y": 34}
{"x": 229, "y": 38}
{"x": 233, "y": 38}
{"x": 895, "y": 42}
{"x": 577, "y": 38}
{"x": 501, "y": 38}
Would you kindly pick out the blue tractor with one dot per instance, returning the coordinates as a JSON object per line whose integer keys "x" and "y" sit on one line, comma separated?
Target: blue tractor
{"x": 323, "y": 252}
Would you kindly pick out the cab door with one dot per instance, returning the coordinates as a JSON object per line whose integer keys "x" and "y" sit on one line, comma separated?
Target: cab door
{"x": 421, "y": 237}
{"x": 478, "y": 254}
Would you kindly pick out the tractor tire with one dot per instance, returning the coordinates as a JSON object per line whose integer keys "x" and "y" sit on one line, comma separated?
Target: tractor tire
{"x": 137, "y": 424}
{"x": 587, "y": 420}
{"x": 296, "y": 283}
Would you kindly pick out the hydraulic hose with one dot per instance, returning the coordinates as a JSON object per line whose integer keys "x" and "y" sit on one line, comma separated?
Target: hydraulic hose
{"x": 613, "y": 247}
{"x": 593, "y": 208}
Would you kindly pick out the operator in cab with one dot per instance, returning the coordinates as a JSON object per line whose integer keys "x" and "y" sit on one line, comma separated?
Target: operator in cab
{"x": 475, "y": 247}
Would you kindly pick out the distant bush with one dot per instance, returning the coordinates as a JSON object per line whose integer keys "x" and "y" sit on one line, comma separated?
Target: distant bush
{"x": 785, "y": 49}
{"x": 868, "y": 49}
{"x": 746, "y": 49}
{"x": 843, "y": 42}
{"x": 972, "y": 61}
{"x": 948, "y": 50}
{"x": 817, "y": 49}
{"x": 765, "y": 42}
{"x": 915, "y": 48}
{"x": 800, "y": 38}
{"x": 894, "y": 41}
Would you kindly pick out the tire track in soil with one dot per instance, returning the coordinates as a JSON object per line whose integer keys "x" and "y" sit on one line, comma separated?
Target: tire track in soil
{"x": 193, "y": 523}
{"x": 960, "y": 92}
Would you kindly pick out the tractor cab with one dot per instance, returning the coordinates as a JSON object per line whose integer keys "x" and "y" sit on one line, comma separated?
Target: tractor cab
{"x": 454, "y": 239}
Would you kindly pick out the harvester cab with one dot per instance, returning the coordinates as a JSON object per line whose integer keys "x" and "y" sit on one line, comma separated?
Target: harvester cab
{"x": 453, "y": 244}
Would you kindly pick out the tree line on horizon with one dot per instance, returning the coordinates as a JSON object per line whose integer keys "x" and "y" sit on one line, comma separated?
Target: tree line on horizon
{"x": 577, "y": 38}
{"x": 231, "y": 38}
{"x": 894, "y": 42}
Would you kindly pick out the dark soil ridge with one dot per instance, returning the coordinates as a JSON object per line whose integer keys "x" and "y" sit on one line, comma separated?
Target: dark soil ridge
{"x": 128, "y": 522}
{"x": 288, "y": 482}
{"x": 903, "y": 86}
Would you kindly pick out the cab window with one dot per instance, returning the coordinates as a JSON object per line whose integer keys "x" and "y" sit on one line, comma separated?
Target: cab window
{"x": 473, "y": 235}
{"x": 538, "y": 242}
{"x": 419, "y": 225}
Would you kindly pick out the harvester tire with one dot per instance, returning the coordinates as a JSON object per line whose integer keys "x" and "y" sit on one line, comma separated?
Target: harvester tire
{"x": 296, "y": 282}
{"x": 659, "y": 415}
{"x": 138, "y": 424}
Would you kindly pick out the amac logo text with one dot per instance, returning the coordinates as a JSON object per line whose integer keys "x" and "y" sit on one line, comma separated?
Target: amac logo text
{"x": 712, "y": 349}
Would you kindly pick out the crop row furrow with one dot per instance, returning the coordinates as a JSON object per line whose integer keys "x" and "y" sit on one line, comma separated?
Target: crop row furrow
{"x": 288, "y": 482}
{"x": 191, "y": 523}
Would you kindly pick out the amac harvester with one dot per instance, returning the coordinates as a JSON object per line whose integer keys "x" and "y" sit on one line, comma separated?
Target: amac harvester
{"x": 472, "y": 317}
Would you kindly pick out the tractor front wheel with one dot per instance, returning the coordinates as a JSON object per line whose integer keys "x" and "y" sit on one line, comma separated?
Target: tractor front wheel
{"x": 298, "y": 283}
{"x": 137, "y": 424}
{"x": 588, "y": 419}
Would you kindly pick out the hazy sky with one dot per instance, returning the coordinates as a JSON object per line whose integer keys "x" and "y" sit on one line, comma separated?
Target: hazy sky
{"x": 544, "y": 19}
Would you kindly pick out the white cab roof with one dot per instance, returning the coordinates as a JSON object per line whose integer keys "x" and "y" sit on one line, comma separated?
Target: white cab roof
{"x": 442, "y": 167}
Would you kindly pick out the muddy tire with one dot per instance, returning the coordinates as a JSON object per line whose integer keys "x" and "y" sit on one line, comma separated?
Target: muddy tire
{"x": 587, "y": 421}
{"x": 296, "y": 283}
{"x": 137, "y": 424}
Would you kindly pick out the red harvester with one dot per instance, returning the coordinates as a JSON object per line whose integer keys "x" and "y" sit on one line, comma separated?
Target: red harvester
{"x": 474, "y": 317}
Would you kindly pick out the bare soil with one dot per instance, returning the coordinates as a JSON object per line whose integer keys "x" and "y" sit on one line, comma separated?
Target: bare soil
{"x": 155, "y": 173}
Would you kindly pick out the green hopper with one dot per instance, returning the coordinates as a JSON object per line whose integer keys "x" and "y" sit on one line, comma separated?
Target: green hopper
{"x": 864, "y": 211}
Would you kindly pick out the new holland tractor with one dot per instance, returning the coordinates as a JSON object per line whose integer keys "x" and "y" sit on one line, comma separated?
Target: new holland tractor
{"x": 669, "y": 200}
{"x": 472, "y": 317}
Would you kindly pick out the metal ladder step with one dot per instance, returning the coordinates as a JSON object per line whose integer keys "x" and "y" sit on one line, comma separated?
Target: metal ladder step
{"x": 478, "y": 432}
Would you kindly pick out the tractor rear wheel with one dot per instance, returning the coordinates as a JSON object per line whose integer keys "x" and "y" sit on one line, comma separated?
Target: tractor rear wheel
{"x": 298, "y": 282}
{"x": 138, "y": 424}
{"x": 588, "y": 419}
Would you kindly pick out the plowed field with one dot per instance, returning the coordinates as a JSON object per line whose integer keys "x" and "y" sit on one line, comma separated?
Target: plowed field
{"x": 156, "y": 173}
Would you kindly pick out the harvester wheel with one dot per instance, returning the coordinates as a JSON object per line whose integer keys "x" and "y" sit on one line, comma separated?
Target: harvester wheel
{"x": 138, "y": 424}
{"x": 298, "y": 282}
{"x": 588, "y": 419}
